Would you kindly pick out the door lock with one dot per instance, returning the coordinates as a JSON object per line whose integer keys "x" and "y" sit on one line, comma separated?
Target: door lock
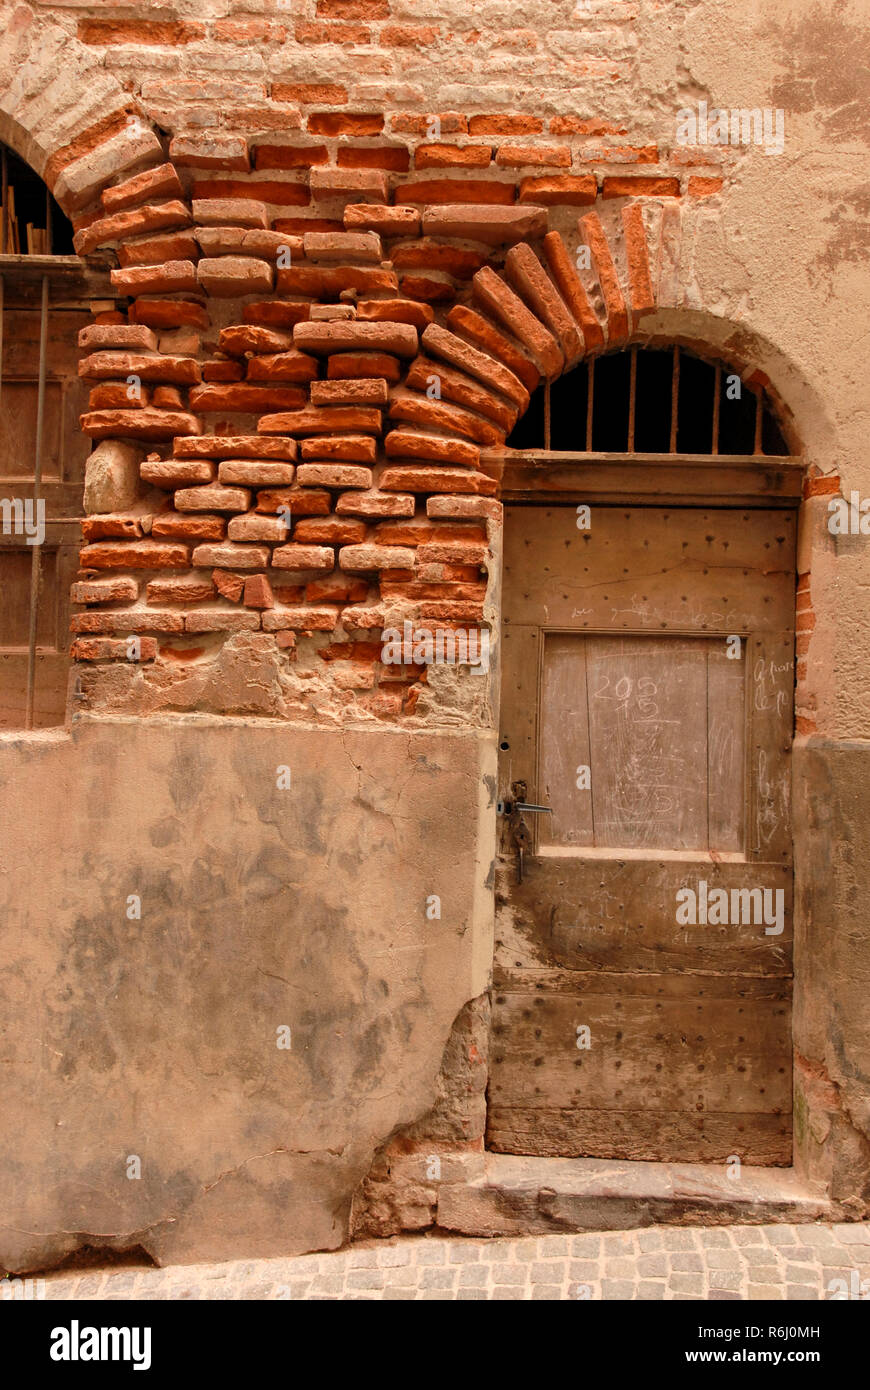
{"x": 516, "y": 811}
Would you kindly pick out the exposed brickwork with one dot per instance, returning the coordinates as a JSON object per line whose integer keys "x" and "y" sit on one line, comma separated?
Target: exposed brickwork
{"x": 320, "y": 268}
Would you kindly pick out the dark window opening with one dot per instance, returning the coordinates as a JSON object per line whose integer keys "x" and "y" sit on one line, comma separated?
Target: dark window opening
{"x": 650, "y": 401}
{"x": 32, "y": 223}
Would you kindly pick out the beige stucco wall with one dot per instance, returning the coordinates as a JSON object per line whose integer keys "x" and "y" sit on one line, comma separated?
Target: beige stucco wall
{"x": 260, "y": 908}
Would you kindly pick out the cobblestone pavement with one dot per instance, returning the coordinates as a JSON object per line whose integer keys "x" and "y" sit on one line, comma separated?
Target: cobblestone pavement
{"x": 664, "y": 1262}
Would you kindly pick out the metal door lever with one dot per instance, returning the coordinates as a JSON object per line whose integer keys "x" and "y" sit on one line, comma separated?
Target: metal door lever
{"x": 519, "y": 830}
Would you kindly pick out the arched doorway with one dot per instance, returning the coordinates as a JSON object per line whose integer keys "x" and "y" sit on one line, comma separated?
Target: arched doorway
{"x": 643, "y": 969}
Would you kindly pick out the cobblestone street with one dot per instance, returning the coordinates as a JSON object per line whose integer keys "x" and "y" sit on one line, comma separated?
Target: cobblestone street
{"x": 666, "y": 1262}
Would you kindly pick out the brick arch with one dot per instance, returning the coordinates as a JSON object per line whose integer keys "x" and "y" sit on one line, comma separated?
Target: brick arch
{"x": 63, "y": 113}
{"x": 328, "y": 360}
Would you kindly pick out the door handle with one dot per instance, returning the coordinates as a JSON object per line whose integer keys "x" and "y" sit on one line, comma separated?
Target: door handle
{"x": 515, "y": 811}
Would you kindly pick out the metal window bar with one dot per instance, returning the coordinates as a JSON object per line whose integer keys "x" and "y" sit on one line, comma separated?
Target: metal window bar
{"x": 717, "y": 391}
{"x": 675, "y": 398}
{"x": 632, "y": 398}
{"x": 590, "y": 392}
{"x": 36, "y": 559}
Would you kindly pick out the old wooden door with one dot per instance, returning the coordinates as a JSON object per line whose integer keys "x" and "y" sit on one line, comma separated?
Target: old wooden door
{"x": 640, "y": 1011}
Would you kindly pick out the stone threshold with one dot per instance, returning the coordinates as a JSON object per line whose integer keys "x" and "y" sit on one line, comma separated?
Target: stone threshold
{"x": 537, "y": 1196}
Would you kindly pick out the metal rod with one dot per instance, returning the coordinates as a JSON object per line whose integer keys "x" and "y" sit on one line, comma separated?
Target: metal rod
{"x": 759, "y": 412}
{"x": 4, "y": 174}
{"x": 717, "y": 391}
{"x": 36, "y": 559}
{"x": 2, "y": 306}
{"x": 48, "y": 227}
{"x": 590, "y": 392}
{"x": 546, "y": 415}
{"x": 632, "y": 397}
{"x": 675, "y": 398}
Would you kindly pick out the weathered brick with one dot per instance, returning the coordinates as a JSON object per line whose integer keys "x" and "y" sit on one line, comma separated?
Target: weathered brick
{"x": 131, "y": 222}
{"x": 329, "y": 530}
{"x": 255, "y": 473}
{"x": 305, "y": 618}
{"x": 326, "y": 338}
{"x": 431, "y": 191}
{"x": 505, "y": 124}
{"x": 134, "y": 555}
{"x": 572, "y": 290}
{"x": 155, "y": 250}
{"x": 226, "y": 277}
{"x": 452, "y": 506}
{"x": 374, "y": 503}
{"x": 639, "y": 186}
{"x": 231, "y": 556}
{"x": 452, "y": 156}
{"x": 132, "y": 620}
{"x": 383, "y": 219}
{"x": 213, "y": 498}
{"x": 290, "y": 156}
{"x": 439, "y": 415}
{"x": 143, "y": 424}
{"x": 343, "y": 246}
{"x": 347, "y": 448}
{"x": 360, "y": 391}
{"x": 376, "y": 557}
{"x": 172, "y": 278}
{"x": 180, "y": 591}
{"x": 456, "y": 386}
{"x": 241, "y": 338}
{"x": 220, "y": 620}
{"x": 124, "y": 336}
{"x": 173, "y": 525}
{"x": 482, "y": 333}
{"x": 356, "y": 184}
{"x": 210, "y": 150}
{"x": 446, "y": 345}
{"x": 333, "y": 475}
{"x": 344, "y": 123}
{"x": 344, "y": 366}
{"x": 258, "y": 592}
{"x": 303, "y": 557}
{"x": 246, "y": 398}
{"x": 324, "y": 420}
{"x": 491, "y": 291}
{"x": 520, "y": 156}
{"x": 573, "y": 190}
{"x": 169, "y": 313}
{"x": 301, "y": 501}
{"x": 105, "y": 591}
{"x": 171, "y": 473}
{"x": 594, "y": 235}
{"x": 256, "y": 527}
{"x": 99, "y": 365}
{"x": 415, "y": 444}
{"x": 159, "y": 182}
{"x": 417, "y": 478}
{"x": 111, "y": 649}
{"x": 531, "y": 281}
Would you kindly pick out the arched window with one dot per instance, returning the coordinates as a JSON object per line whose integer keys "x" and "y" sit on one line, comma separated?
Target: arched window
{"x": 44, "y": 300}
{"x": 651, "y": 401}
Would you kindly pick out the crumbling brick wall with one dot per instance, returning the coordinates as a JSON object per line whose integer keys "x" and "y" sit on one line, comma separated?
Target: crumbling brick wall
{"x": 301, "y": 418}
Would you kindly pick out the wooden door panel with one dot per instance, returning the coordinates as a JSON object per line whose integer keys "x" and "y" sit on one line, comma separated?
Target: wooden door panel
{"x": 608, "y": 914}
{"x": 656, "y": 650}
